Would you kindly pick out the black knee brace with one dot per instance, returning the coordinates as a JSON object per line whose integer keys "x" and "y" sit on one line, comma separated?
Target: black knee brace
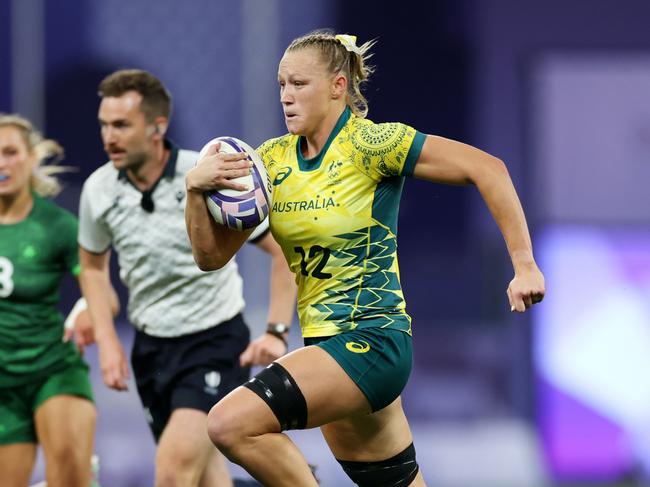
{"x": 398, "y": 471}
{"x": 277, "y": 388}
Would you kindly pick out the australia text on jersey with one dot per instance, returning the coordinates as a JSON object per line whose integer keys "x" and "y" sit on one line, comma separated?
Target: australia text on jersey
{"x": 304, "y": 205}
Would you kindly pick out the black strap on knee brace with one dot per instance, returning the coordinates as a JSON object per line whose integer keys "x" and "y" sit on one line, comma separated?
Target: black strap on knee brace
{"x": 277, "y": 388}
{"x": 398, "y": 471}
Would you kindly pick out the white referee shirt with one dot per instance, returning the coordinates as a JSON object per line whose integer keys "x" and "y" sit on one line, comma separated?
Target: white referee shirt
{"x": 168, "y": 294}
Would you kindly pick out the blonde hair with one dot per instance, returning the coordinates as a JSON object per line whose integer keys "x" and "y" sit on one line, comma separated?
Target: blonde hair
{"x": 352, "y": 63}
{"x": 47, "y": 151}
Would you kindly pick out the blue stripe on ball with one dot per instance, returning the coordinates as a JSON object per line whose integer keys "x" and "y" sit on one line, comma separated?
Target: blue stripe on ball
{"x": 247, "y": 205}
{"x": 231, "y": 221}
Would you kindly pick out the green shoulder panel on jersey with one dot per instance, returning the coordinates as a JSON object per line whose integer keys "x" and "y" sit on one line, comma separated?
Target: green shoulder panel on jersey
{"x": 391, "y": 150}
{"x": 385, "y": 204}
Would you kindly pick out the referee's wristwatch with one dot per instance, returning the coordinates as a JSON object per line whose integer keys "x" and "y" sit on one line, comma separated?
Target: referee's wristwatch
{"x": 279, "y": 330}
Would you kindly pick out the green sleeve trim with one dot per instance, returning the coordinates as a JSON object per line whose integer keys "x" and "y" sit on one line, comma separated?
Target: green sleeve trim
{"x": 76, "y": 270}
{"x": 414, "y": 153}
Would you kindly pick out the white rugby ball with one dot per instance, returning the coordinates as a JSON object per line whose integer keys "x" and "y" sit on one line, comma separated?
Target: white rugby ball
{"x": 240, "y": 210}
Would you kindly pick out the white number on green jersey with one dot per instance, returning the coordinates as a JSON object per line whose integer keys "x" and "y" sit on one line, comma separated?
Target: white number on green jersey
{"x": 6, "y": 271}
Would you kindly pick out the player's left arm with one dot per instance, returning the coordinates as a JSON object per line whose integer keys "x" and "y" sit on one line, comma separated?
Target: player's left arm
{"x": 451, "y": 162}
{"x": 268, "y": 347}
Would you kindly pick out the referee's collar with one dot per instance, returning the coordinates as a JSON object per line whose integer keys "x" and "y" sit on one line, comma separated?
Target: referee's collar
{"x": 170, "y": 167}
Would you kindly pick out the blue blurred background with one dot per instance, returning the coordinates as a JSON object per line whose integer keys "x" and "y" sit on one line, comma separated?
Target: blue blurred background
{"x": 558, "y": 89}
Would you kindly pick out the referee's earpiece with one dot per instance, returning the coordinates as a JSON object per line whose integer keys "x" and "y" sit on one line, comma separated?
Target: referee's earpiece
{"x": 158, "y": 128}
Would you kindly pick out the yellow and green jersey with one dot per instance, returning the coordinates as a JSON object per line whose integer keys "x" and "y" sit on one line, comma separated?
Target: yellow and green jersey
{"x": 35, "y": 253}
{"x": 335, "y": 217}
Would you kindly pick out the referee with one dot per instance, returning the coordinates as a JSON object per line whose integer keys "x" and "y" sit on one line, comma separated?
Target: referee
{"x": 191, "y": 345}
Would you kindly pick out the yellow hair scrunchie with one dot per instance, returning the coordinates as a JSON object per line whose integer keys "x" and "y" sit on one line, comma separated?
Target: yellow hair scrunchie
{"x": 349, "y": 42}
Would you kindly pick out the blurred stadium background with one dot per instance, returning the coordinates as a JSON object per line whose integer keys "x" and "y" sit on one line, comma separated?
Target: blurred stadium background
{"x": 558, "y": 89}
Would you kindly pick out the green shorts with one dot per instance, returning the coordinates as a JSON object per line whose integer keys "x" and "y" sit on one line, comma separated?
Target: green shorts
{"x": 378, "y": 360}
{"x": 19, "y": 404}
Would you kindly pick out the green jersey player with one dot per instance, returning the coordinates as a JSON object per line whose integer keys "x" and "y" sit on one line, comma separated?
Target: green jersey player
{"x": 45, "y": 392}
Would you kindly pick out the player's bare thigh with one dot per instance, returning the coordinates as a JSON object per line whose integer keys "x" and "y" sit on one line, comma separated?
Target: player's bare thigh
{"x": 185, "y": 451}
{"x": 66, "y": 422}
{"x": 329, "y": 392}
{"x": 369, "y": 437}
{"x": 16, "y": 463}
{"x": 65, "y": 425}
{"x": 372, "y": 437}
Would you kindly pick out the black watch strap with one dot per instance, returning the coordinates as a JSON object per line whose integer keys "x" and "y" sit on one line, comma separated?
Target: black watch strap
{"x": 278, "y": 330}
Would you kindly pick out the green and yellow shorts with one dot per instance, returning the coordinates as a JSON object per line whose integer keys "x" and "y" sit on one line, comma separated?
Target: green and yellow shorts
{"x": 18, "y": 404}
{"x": 378, "y": 360}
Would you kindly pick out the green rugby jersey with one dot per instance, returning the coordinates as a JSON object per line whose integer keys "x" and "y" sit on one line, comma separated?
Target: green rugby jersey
{"x": 34, "y": 256}
{"x": 335, "y": 217}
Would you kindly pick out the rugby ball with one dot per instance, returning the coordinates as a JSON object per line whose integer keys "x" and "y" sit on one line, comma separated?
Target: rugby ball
{"x": 240, "y": 210}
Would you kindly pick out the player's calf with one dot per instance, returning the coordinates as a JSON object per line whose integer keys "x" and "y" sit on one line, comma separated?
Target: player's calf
{"x": 398, "y": 471}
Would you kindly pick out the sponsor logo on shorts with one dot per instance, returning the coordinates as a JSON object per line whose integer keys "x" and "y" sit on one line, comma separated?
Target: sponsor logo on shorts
{"x": 212, "y": 381}
{"x": 358, "y": 347}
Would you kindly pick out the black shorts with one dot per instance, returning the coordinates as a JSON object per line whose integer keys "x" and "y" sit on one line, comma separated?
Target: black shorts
{"x": 191, "y": 371}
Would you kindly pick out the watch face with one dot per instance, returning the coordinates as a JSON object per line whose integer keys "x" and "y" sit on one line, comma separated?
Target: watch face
{"x": 279, "y": 327}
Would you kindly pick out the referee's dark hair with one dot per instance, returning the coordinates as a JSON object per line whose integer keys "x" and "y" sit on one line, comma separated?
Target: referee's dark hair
{"x": 156, "y": 100}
